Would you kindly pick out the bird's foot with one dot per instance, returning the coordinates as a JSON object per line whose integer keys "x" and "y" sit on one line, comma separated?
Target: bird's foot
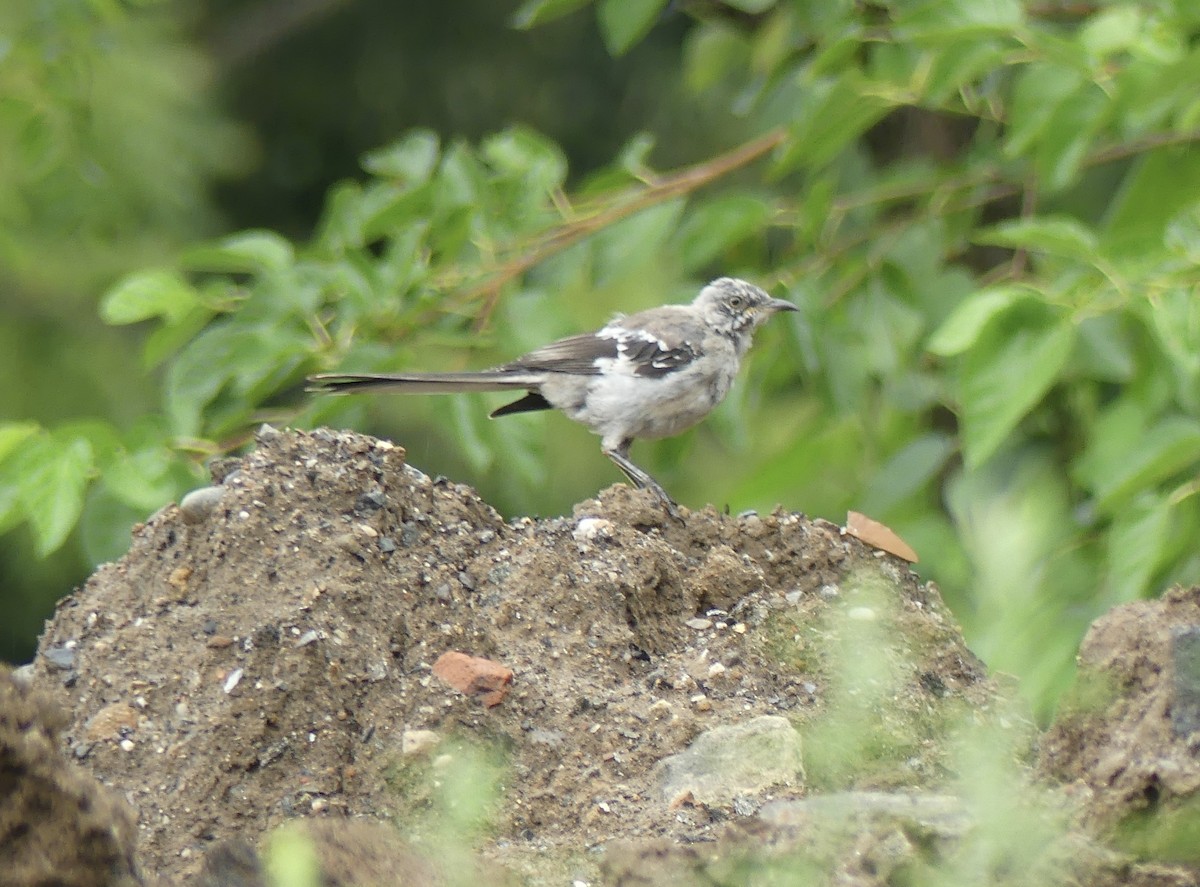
{"x": 670, "y": 506}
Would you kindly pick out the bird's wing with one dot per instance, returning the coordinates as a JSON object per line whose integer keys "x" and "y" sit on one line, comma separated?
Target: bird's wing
{"x": 659, "y": 341}
{"x": 640, "y": 345}
{"x": 582, "y": 355}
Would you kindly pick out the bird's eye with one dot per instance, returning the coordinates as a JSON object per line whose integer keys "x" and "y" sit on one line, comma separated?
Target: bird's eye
{"x": 736, "y": 301}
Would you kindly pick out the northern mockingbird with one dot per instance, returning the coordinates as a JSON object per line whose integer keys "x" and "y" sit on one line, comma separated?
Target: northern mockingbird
{"x": 651, "y": 374}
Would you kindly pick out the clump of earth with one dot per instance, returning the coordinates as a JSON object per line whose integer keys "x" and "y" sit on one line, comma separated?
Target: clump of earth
{"x": 329, "y": 650}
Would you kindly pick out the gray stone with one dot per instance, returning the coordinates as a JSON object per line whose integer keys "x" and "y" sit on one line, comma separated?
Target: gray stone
{"x": 197, "y": 505}
{"x": 1185, "y": 689}
{"x": 727, "y": 762}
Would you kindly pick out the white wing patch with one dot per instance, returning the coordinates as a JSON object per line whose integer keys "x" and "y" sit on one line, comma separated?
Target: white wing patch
{"x": 641, "y": 353}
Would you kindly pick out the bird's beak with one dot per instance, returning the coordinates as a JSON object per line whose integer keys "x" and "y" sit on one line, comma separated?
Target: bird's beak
{"x": 779, "y": 305}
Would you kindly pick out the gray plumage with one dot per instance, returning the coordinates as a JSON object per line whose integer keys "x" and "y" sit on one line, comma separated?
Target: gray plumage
{"x": 647, "y": 375}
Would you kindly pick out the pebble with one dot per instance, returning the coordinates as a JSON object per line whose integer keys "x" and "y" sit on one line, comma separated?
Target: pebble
{"x": 1185, "y": 680}
{"x": 699, "y": 624}
{"x": 115, "y": 719}
{"x": 589, "y": 529}
{"x": 371, "y": 501}
{"x": 197, "y": 505}
{"x": 232, "y": 680}
{"x": 60, "y": 657}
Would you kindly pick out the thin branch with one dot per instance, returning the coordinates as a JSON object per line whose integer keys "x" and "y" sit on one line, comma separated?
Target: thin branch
{"x": 571, "y": 232}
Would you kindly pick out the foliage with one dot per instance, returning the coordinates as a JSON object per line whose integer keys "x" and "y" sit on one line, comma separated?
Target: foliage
{"x": 988, "y": 212}
{"x": 108, "y": 140}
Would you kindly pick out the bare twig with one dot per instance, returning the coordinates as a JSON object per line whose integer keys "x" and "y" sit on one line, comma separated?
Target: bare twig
{"x": 622, "y": 206}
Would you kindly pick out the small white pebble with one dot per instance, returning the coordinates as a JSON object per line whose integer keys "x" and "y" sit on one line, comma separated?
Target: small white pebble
{"x": 699, "y": 624}
{"x": 591, "y": 528}
{"x": 233, "y": 680}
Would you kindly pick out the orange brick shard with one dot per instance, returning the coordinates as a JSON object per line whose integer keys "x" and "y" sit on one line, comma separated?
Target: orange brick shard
{"x": 475, "y": 676}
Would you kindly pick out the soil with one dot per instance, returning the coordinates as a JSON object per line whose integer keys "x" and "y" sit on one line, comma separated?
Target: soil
{"x": 265, "y": 653}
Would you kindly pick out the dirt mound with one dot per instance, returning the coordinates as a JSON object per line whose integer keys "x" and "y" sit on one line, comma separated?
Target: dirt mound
{"x": 1129, "y": 734}
{"x": 267, "y": 650}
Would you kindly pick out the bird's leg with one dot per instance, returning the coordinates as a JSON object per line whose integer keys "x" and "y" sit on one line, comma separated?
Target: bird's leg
{"x": 640, "y": 478}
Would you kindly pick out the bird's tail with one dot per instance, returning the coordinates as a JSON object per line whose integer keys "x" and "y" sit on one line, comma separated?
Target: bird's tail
{"x": 422, "y": 383}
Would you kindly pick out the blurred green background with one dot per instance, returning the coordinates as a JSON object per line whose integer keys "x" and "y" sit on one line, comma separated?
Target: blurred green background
{"x": 988, "y": 212}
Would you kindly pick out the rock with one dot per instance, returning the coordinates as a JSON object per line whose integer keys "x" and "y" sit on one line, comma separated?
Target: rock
{"x": 197, "y": 505}
{"x": 112, "y": 722}
{"x": 474, "y": 676}
{"x": 739, "y": 759}
{"x": 1185, "y": 680}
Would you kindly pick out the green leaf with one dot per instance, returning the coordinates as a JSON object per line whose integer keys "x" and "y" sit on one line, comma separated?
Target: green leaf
{"x": 141, "y": 479}
{"x": 201, "y": 370}
{"x": 636, "y": 241}
{"x": 411, "y": 160}
{"x": 1131, "y": 462}
{"x": 963, "y": 327}
{"x": 538, "y": 12}
{"x": 1162, "y": 184}
{"x": 12, "y": 434}
{"x": 752, "y": 7}
{"x": 624, "y": 22}
{"x": 833, "y": 113}
{"x": 13, "y": 437}
{"x": 247, "y": 252}
{"x": 157, "y": 292}
{"x": 1039, "y": 92}
{"x": 1112, "y": 30}
{"x": 523, "y": 154}
{"x": 1135, "y": 544}
{"x": 952, "y": 21}
{"x": 712, "y": 227}
{"x": 1064, "y": 146}
{"x": 1004, "y": 377}
{"x": 634, "y": 157}
{"x": 54, "y": 473}
{"x": 460, "y": 178}
{"x": 104, "y": 525}
{"x": 1053, "y": 235}
{"x": 341, "y": 224}
{"x": 906, "y": 472}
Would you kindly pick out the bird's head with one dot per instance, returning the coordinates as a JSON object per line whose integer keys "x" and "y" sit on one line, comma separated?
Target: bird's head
{"x": 736, "y": 307}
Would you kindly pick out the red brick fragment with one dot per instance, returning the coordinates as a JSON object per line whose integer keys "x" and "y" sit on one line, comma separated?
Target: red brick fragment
{"x": 484, "y": 679}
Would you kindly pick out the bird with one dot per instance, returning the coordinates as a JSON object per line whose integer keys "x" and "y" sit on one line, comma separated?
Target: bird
{"x": 652, "y": 374}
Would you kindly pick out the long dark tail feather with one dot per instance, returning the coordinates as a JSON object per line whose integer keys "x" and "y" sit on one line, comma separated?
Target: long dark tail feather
{"x": 420, "y": 383}
{"x": 527, "y": 404}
